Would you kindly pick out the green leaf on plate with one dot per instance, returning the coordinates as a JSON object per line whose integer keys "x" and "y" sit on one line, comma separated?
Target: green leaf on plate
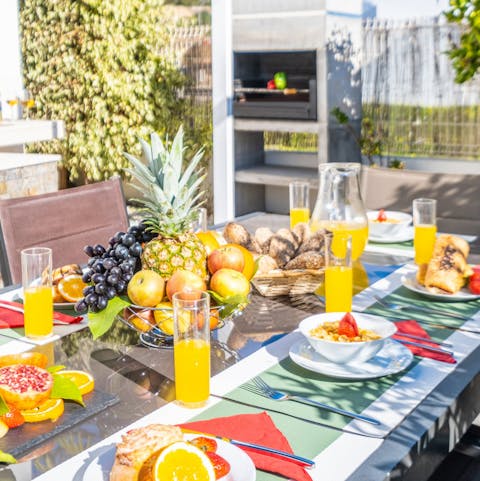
{"x": 54, "y": 369}
{"x": 229, "y": 304}
{"x": 3, "y": 406}
{"x": 7, "y": 458}
{"x": 100, "y": 322}
{"x": 64, "y": 388}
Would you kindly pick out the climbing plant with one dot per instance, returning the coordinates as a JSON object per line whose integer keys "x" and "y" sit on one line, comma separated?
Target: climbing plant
{"x": 465, "y": 54}
{"x": 97, "y": 66}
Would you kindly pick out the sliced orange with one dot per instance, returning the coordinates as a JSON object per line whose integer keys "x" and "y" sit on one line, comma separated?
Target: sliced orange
{"x": 209, "y": 240}
{"x": 71, "y": 287}
{"x": 182, "y": 461}
{"x": 249, "y": 267}
{"x": 49, "y": 409}
{"x": 83, "y": 380}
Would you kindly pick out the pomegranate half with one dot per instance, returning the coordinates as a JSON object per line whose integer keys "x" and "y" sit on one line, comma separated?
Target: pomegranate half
{"x": 25, "y": 386}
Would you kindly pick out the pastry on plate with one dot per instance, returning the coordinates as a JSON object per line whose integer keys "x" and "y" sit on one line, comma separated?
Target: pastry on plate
{"x": 448, "y": 269}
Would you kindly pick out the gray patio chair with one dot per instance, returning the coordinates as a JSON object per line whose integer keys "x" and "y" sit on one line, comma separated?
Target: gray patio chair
{"x": 457, "y": 195}
{"x": 66, "y": 221}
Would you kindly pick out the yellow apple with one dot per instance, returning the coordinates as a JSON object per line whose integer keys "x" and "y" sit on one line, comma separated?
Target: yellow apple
{"x": 146, "y": 288}
{"x": 228, "y": 283}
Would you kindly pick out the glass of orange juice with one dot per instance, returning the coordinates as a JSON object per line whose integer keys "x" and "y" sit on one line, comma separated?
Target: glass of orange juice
{"x": 37, "y": 291}
{"x": 299, "y": 202}
{"x": 191, "y": 347}
{"x": 425, "y": 229}
{"x": 338, "y": 272}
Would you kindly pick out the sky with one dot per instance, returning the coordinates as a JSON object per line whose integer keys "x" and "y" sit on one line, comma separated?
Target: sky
{"x": 402, "y": 9}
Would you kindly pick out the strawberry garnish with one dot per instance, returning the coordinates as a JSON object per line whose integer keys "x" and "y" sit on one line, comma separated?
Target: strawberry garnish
{"x": 220, "y": 466}
{"x": 382, "y": 217}
{"x": 348, "y": 326}
{"x": 13, "y": 418}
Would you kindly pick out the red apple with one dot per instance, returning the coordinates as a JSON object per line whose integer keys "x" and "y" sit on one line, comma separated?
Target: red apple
{"x": 228, "y": 283}
{"x": 226, "y": 257}
{"x": 182, "y": 280}
{"x": 146, "y": 288}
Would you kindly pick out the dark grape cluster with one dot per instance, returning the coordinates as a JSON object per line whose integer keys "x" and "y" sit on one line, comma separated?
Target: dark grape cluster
{"x": 110, "y": 268}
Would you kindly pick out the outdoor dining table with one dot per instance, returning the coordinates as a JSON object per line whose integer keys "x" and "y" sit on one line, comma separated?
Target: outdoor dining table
{"x": 424, "y": 409}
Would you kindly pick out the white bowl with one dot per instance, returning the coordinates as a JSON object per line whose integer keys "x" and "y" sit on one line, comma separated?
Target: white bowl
{"x": 348, "y": 352}
{"x": 394, "y": 225}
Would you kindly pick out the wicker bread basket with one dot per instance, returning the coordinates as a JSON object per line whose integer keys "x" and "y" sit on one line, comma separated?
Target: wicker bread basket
{"x": 288, "y": 282}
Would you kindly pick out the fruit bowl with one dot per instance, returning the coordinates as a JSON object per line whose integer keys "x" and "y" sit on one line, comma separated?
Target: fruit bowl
{"x": 160, "y": 334}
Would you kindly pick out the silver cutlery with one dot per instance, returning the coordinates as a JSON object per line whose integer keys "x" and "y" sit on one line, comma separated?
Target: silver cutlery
{"x": 271, "y": 393}
{"x": 398, "y": 307}
{"x": 425, "y": 346}
{"x": 293, "y": 457}
{"x": 424, "y": 339}
{"x": 298, "y": 418}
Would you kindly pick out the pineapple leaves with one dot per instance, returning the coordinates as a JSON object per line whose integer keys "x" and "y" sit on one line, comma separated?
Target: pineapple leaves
{"x": 170, "y": 194}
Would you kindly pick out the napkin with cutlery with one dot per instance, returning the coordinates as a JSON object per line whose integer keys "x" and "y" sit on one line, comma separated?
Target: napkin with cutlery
{"x": 13, "y": 318}
{"x": 259, "y": 429}
{"x": 413, "y": 328}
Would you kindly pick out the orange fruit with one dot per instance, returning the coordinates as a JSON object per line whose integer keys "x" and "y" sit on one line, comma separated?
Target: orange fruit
{"x": 30, "y": 358}
{"x": 83, "y": 380}
{"x": 182, "y": 461}
{"x": 71, "y": 287}
{"x": 249, "y": 267}
{"x": 209, "y": 241}
{"x": 49, "y": 409}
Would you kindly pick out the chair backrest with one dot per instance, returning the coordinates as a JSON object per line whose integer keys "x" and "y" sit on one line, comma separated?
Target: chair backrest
{"x": 65, "y": 221}
{"x": 457, "y": 195}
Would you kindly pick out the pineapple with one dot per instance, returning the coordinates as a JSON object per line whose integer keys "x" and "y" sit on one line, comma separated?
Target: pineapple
{"x": 170, "y": 198}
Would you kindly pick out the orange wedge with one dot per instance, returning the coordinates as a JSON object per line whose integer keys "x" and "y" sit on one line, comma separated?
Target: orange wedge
{"x": 209, "y": 241}
{"x": 183, "y": 462}
{"x": 71, "y": 287}
{"x": 83, "y": 380}
{"x": 49, "y": 409}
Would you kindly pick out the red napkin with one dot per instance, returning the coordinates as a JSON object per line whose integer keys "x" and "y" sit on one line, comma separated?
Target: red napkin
{"x": 259, "y": 429}
{"x": 414, "y": 328}
{"x": 12, "y": 319}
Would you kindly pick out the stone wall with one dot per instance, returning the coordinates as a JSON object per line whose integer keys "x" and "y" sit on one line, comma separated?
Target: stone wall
{"x": 27, "y": 174}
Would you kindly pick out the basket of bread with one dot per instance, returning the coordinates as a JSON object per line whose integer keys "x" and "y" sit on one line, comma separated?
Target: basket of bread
{"x": 289, "y": 261}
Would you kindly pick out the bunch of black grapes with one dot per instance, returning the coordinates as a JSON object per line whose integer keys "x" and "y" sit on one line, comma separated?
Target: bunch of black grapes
{"x": 109, "y": 269}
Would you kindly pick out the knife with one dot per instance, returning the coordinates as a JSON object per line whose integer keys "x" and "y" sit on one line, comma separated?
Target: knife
{"x": 292, "y": 457}
{"x": 309, "y": 421}
{"x": 423, "y": 346}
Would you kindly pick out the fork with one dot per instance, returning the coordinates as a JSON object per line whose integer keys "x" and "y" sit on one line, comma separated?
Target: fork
{"x": 275, "y": 395}
{"x": 397, "y": 307}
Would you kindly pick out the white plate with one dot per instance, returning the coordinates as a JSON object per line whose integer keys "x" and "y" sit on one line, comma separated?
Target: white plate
{"x": 393, "y": 358}
{"x": 404, "y": 236}
{"x": 410, "y": 282}
{"x": 242, "y": 467}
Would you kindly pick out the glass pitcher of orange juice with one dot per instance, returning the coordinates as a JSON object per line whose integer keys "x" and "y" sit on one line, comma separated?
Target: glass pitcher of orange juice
{"x": 339, "y": 207}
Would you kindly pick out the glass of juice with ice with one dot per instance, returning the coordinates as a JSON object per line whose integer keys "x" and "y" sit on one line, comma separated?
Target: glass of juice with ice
{"x": 191, "y": 347}
{"x": 338, "y": 272}
{"x": 425, "y": 229}
{"x": 37, "y": 291}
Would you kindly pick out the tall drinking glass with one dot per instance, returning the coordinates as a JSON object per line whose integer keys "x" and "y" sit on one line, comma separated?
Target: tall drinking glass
{"x": 425, "y": 229}
{"x": 191, "y": 347}
{"x": 37, "y": 291}
{"x": 338, "y": 273}
{"x": 299, "y": 202}
{"x": 199, "y": 223}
